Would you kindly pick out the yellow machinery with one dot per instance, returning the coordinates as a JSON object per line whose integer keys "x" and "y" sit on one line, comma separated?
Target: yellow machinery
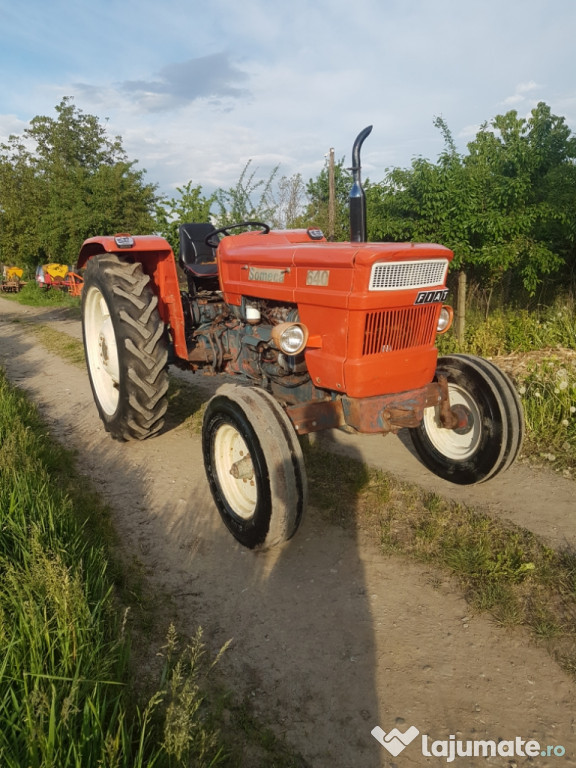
{"x": 59, "y": 276}
{"x": 11, "y": 279}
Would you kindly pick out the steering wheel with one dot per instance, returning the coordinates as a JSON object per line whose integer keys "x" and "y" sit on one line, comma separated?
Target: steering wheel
{"x": 213, "y": 241}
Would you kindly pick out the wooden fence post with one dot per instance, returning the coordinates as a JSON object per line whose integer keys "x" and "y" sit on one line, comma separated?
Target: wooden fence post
{"x": 461, "y": 308}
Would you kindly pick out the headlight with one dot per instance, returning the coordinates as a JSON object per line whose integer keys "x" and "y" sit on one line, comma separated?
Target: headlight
{"x": 291, "y": 338}
{"x": 445, "y": 319}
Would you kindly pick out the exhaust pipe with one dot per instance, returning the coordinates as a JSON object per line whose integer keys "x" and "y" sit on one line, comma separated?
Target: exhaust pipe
{"x": 357, "y": 198}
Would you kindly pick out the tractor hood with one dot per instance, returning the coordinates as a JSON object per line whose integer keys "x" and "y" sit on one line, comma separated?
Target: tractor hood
{"x": 290, "y": 266}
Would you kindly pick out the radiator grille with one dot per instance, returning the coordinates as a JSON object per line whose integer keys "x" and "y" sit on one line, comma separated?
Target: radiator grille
{"x": 390, "y": 330}
{"x": 408, "y": 274}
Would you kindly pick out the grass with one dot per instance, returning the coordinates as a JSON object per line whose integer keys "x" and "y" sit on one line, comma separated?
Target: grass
{"x": 32, "y": 295}
{"x": 548, "y": 391}
{"x": 69, "y": 349}
{"x": 510, "y": 329}
{"x": 66, "y": 697}
{"x": 186, "y": 406}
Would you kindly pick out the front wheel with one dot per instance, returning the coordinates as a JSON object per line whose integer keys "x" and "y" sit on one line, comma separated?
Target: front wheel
{"x": 254, "y": 466}
{"x": 492, "y": 429}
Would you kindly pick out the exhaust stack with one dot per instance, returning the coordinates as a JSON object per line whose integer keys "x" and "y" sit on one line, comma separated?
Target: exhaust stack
{"x": 357, "y": 197}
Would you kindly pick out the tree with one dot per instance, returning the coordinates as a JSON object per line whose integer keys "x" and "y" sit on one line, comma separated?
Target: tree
{"x": 512, "y": 214}
{"x": 426, "y": 202}
{"x": 318, "y": 191}
{"x": 64, "y": 180}
{"x": 22, "y": 203}
{"x": 505, "y": 208}
{"x": 190, "y": 205}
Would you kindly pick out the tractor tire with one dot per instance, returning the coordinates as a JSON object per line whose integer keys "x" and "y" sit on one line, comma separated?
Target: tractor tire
{"x": 493, "y": 437}
{"x": 126, "y": 347}
{"x": 254, "y": 465}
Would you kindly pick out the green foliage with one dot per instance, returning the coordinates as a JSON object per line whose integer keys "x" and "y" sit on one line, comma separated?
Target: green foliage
{"x": 35, "y": 296}
{"x": 250, "y": 199}
{"x": 189, "y": 205}
{"x": 507, "y": 330}
{"x": 505, "y": 208}
{"x": 318, "y": 191}
{"x": 62, "y": 181}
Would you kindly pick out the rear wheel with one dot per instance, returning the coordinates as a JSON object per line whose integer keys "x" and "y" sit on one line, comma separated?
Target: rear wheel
{"x": 125, "y": 346}
{"x": 492, "y": 429}
{"x": 254, "y": 466}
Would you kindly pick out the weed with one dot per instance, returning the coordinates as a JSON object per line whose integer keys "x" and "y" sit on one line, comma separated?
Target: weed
{"x": 508, "y": 330}
{"x": 547, "y": 387}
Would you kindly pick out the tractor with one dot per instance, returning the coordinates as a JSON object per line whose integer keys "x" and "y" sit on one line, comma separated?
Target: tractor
{"x": 318, "y": 335}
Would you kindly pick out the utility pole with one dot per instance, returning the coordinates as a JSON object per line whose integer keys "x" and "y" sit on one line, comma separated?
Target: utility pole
{"x": 331, "y": 196}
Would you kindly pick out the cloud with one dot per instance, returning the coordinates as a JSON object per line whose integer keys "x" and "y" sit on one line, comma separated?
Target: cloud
{"x": 527, "y": 87}
{"x": 212, "y": 77}
{"x": 469, "y": 132}
{"x": 521, "y": 92}
{"x": 11, "y": 125}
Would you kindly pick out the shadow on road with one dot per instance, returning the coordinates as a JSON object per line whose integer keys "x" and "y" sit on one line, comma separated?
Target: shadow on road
{"x": 302, "y": 652}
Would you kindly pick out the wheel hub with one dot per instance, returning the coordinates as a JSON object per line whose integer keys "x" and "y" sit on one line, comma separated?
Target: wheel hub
{"x": 458, "y": 439}
{"x": 465, "y": 419}
{"x": 235, "y": 470}
{"x": 243, "y": 469}
{"x": 107, "y": 350}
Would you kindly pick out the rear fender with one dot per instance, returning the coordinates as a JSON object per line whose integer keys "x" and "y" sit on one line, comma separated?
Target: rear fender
{"x": 157, "y": 259}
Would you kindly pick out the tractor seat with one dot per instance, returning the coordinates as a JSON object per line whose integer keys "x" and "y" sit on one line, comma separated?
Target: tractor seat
{"x": 195, "y": 256}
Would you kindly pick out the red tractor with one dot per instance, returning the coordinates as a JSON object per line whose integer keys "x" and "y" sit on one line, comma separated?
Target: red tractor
{"x": 319, "y": 335}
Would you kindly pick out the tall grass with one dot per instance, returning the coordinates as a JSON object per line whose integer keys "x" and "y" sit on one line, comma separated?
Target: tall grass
{"x": 32, "y": 295}
{"x": 508, "y": 329}
{"x": 548, "y": 392}
{"x": 65, "y": 694}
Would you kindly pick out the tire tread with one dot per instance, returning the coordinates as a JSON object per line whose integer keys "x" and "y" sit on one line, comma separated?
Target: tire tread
{"x": 142, "y": 346}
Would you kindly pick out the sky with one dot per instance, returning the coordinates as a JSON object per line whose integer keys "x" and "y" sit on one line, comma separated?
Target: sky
{"x": 198, "y": 89}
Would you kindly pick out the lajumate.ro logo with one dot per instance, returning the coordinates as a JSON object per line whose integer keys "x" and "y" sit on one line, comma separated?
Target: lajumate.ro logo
{"x": 395, "y": 741}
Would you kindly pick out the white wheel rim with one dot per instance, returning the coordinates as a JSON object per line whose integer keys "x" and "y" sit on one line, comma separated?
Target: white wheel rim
{"x": 450, "y": 443}
{"x": 101, "y": 350}
{"x": 230, "y": 449}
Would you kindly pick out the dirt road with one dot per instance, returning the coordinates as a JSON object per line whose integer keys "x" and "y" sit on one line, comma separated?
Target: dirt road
{"x": 330, "y": 638}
